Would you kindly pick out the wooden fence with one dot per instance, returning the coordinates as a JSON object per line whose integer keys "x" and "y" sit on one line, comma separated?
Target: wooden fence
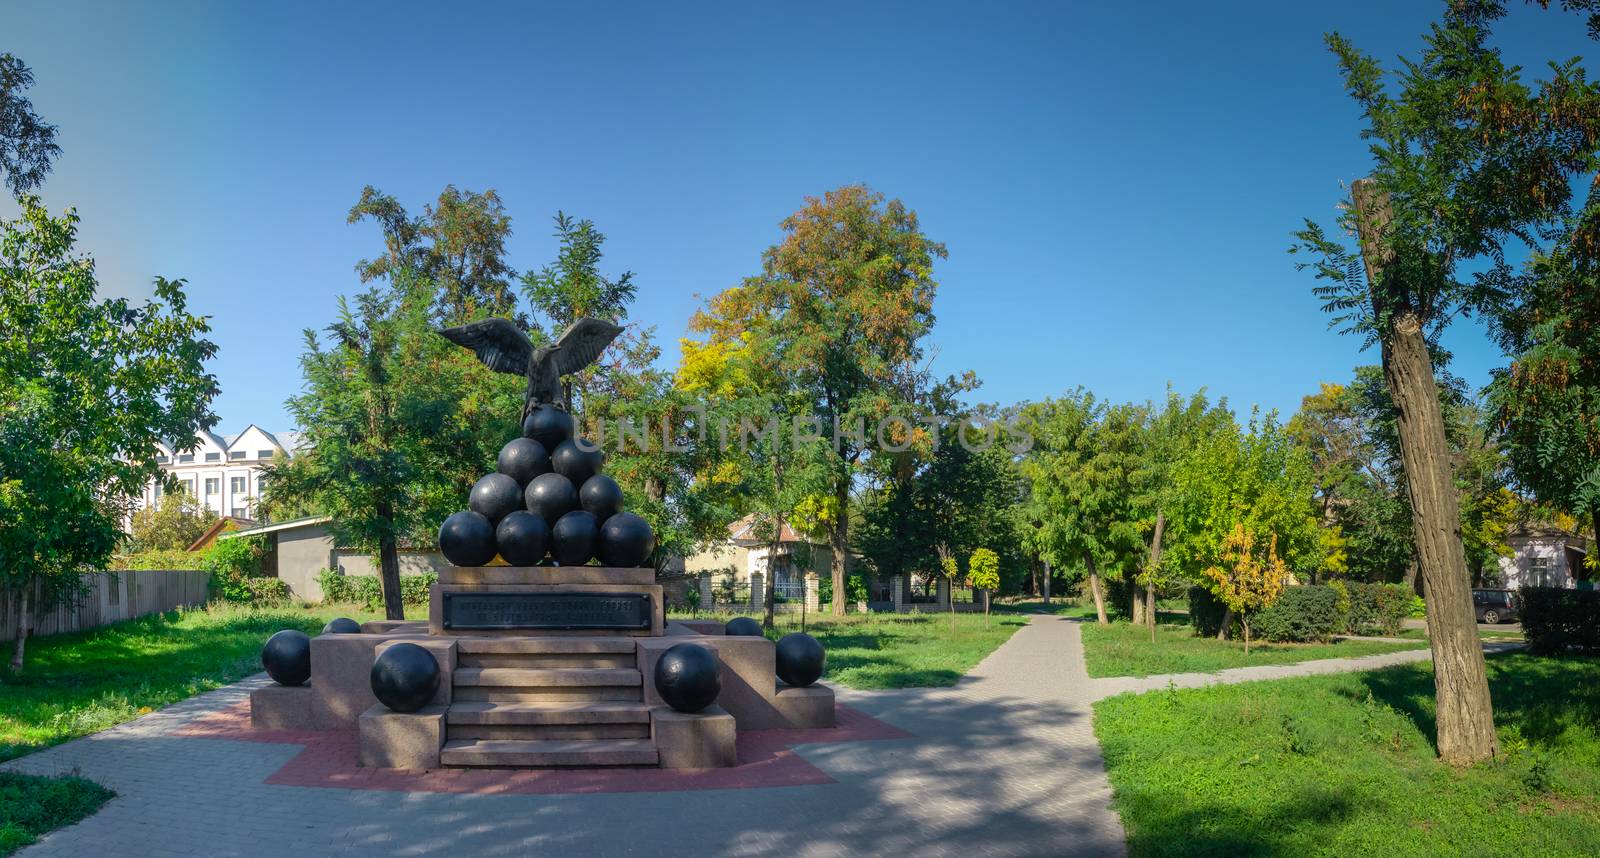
{"x": 111, "y": 596}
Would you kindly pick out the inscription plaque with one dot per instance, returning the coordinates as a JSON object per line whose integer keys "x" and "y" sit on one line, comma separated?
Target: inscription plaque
{"x": 547, "y": 610}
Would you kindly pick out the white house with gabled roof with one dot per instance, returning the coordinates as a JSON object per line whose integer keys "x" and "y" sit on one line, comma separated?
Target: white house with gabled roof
{"x": 222, "y": 472}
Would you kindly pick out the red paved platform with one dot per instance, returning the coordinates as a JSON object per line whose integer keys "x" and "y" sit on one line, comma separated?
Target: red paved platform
{"x": 328, "y": 759}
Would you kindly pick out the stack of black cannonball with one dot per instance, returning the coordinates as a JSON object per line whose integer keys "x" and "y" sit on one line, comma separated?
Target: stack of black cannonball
{"x": 547, "y": 497}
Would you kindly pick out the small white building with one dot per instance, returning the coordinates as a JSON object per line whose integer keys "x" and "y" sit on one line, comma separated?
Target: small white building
{"x": 222, "y": 472}
{"x": 1544, "y": 556}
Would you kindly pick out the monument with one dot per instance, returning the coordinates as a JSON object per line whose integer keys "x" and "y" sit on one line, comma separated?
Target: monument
{"x": 546, "y": 643}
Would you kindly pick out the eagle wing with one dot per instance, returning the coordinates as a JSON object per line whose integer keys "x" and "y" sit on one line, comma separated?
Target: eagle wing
{"x": 582, "y": 342}
{"x": 499, "y": 343}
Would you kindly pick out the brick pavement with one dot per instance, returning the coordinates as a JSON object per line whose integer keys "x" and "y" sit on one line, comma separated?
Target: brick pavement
{"x": 1004, "y": 763}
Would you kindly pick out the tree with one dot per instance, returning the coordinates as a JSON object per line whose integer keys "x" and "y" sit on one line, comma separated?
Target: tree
{"x": 950, "y": 567}
{"x": 171, "y": 525}
{"x": 983, "y": 570}
{"x": 1245, "y": 580}
{"x": 1547, "y": 402}
{"x": 1081, "y": 469}
{"x": 87, "y": 390}
{"x": 1467, "y": 160}
{"x": 843, "y": 301}
{"x": 27, "y": 142}
{"x": 458, "y": 244}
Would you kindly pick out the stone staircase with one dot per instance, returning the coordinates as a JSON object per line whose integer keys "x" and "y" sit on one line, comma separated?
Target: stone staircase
{"x": 547, "y": 702}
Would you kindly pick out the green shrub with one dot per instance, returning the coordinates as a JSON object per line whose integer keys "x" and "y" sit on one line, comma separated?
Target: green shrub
{"x": 367, "y": 590}
{"x": 1377, "y": 608}
{"x": 1416, "y": 608}
{"x": 855, "y": 588}
{"x": 1556, "y": 620}
{"x": 1205, "y": 612}
{"x": 1301, "y": 614}
{"x": 160, "y": 559}
{"x": 268, "y": 591}
{"x": 232, "y": 563}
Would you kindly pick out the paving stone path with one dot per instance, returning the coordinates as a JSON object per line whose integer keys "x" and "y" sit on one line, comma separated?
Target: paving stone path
{"x": 1004, "y": 763}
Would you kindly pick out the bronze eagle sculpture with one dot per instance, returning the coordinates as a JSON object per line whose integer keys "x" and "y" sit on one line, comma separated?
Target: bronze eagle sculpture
{"x": 503, "y": 347}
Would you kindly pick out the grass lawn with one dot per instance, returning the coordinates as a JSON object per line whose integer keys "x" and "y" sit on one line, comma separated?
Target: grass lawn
{"x": 76, "y": 684}
{"x": 31, "y": 806}
{"x": 1490, "y": 634}
{"x": 898, "y": 650}
{"x": 1343, "y": 764}
{"x": 1123, "y": 649}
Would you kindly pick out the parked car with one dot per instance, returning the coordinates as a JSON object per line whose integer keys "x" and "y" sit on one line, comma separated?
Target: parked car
{"x": 1495, "y": 606}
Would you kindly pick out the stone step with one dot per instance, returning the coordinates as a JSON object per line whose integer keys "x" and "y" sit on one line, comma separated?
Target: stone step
{"x": 510, "y": 753}
{"x": 546, "y": 660}
{"x": 548, "y": 713}
{"x": 566, "y": 694}
{"x": 547, "y": 645}
{"x": 547, "y": 731}
{"x": 551, "y": 678}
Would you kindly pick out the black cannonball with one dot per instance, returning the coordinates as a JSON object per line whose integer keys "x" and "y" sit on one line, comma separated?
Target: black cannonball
{"x": 601, "y": 496}
{"x": 341, "y": 626}
{"x": 625, "y": 541}
{"x": 742, "y": 627}
{"x": 686, "y": 677}
{"x": 467, "y": 539}
{"x": 551, "y": 496}
{"x": 548, "y": 425}
{"x": 523, "y": 538}
{"x": 523, "y": 459}
{"x": 577, "y": 462}
{"x": 573, "y": 537}
{"x": 405, "y": 677}
{"x": 800, "y": 659}
{"x": 287, "y": 657}
{"x": 495, "y": 496}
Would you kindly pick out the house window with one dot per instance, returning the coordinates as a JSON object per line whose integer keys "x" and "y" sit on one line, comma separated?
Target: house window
{"x": 185, "y": 458}
{"x": 161, "y": 458}
{"x": 212, "y": 484}
{"x": 213, "y": 457}
{"x": 1539, "y": 571}
{"x": 188, "y": 487}
{"x": 263, "y": 454}
{"x": 158, "y": 491}
{"x": 240, "y": 512}
{"x": 236, "y": 454}
{"x": 236, "y": 485}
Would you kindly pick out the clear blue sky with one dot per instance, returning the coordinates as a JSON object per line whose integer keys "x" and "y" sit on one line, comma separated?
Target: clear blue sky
{"x": 1119, "y": 179}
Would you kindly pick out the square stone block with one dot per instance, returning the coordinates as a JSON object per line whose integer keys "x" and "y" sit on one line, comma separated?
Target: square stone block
{"x": 341, "y": 675}
{"x": 402, "y": 740}
{"x": 703, "y": 740}
{"x": 395, "y": 627}
{"x": 747, "y": 667}
{"x": 444, "y": 652}
{"x": 811, "y": 706}
{"x": 282, "y": 707}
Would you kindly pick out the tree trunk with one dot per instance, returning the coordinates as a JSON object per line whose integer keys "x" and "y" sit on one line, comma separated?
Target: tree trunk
{"x": 839, "y": 542}
{"x": 1137, "y": 597}
{"x": 1465, "y": 717}
{"x": 20, "y": 643}
{"x": 389, "y": 565}
{"x": 1411, "y": 576}
{"x": 1227, "y": 623}
{"x": 1047, "y": 583}
{"x": 1094, "y": 589}
{"x": 1150, "y": 572}
{"x": 1033, "y": 576}
{"x": 1246, "y": 622}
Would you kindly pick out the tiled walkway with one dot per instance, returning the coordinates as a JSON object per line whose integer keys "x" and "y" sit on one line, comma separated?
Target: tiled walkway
{"x": 1004, "y": 763}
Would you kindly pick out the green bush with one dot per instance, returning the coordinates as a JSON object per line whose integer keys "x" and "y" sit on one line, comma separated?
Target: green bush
{"x": 366, "y": 590}
{"x": 160, "y": 559}
{"x": 1416, "y": 608}
{"x": 1301, "y": 614}
{"x": 268, "y": 591}
{"x": 232, "y": 564}
{"x": 1205, "y": 612}
{"x": 1377, "y": 608}
{"x": 855, "y": 588}
{"x": 1556, "y": 620}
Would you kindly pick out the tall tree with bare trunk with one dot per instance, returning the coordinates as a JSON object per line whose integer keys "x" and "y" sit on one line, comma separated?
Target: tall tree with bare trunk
{"x": 1468, "y": 161}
